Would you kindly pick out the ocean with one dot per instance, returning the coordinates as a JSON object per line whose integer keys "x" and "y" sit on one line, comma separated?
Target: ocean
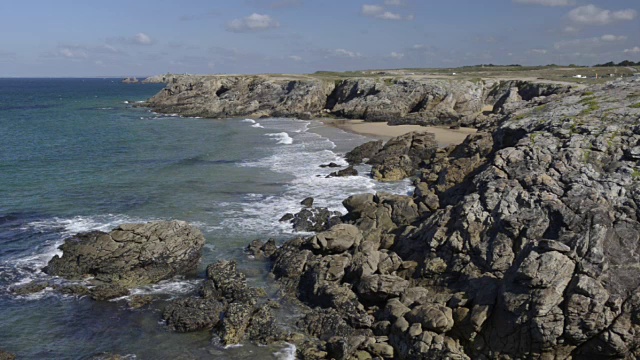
{"x": 78, "y": 155}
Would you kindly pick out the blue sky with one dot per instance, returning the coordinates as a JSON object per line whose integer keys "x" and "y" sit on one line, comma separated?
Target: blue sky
{"x": 144, "y": 37}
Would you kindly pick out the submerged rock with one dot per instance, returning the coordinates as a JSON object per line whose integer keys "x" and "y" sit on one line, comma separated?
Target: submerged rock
{"x": 131, "y": 255}
{"x": 6, "y": 356}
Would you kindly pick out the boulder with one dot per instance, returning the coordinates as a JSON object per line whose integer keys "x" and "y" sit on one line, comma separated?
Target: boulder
{"x": 349, "y": 171}
{"x": 338, "y": 239}
{"x": 314, "y": 219}
{"x": 307, "y": 202}
{"x": 364, "y": 152}
{"x": 192, "y": 314}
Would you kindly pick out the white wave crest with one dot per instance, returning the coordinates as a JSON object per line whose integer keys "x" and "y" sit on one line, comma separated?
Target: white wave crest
{"x": 283, "y": 138}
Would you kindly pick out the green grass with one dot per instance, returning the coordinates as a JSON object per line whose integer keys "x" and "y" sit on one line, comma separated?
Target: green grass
{"x": 591, "y": 104}
{"x": 635, "y": 106}
{"x": 587, "y": 93}
{"x": 635, "y": 174}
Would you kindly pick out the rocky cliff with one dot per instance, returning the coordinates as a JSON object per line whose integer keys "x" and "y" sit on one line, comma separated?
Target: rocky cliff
{"x": 397, "y": 100}
{"x": 522, "y": 242}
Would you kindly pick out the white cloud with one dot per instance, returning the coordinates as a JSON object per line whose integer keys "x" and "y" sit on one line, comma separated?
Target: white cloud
{"x": 295, "y": 58}
{"x": 387, "y": 15}
{"x": 137, "y": 39}
{"x": 70, "y": 53}
{"x": 378, "y": 12}
{"x": 547, "y": 2}
{"x": 589, "y": 43}
{"x": 593, "y": 15}
{"x": 142, "y": 39}
{"x": 633, "y": 50}
{"x": 372, "y": 10}
{"x": 344, "y": 53}
{"x": 610, "y": 38}
{"x": 538, "y": 51}
{"x": 396, "y": 55}
{"x": 253, "y": 22}
{"x": 570, "y": 29}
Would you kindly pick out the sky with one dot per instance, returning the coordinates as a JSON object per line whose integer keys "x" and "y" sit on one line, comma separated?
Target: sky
{"x": 73, "y": 38}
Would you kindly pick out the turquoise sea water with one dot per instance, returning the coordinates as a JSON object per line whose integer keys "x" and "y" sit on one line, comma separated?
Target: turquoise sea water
{"x": 76, "y": 155}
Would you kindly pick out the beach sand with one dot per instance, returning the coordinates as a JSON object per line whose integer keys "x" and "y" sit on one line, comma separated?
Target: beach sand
{"x": 380, "y": 130}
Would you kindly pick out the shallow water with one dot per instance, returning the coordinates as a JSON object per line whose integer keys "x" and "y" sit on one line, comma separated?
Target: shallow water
{"x": 77, "y": 156}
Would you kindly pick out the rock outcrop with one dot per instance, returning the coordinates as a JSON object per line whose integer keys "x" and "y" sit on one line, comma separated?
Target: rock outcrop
{"x": 130, "y": 80}
{"x": 397, "y": 100}
{"x": 398, "y": 158}
{"x": 226, "y": 304}
{"x": 131, "y": 255}
{"x": 522, "y": 242}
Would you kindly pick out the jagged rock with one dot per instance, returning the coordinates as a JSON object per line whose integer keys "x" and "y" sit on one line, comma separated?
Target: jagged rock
{"x": 402, "y": 156}
{"x": 349, "y": 171}
{"x": 330, "y": 165}
{"x": 522, "y": 241}
{"x": 261, "y": 250}
{"x": 364, "y": 152}
{"x": 315, "y": 219}
{"x": 337, "y": 239}
{"x": 406, "y": 100}
{"x": 139, "y": 301}
{"x": 307, "y": 202}
{"x": 131, "y": 255}
{"x": 104, "y": 292}
{"x": 378, "y": 288}
{"x": 193, "y": 314}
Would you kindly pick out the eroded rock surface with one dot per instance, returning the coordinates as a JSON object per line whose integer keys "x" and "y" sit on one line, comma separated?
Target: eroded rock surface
{"x": 524, "y": 241}
{"x": 131, "y": 255}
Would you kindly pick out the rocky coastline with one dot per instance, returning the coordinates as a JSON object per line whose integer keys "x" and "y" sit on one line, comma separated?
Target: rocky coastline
{"x": 397, "y": 100}
{"x": 521, "y": 242}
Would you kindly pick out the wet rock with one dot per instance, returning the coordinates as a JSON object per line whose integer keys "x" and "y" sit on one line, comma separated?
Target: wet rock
{"x": 139, "y": 301}
{"x": 349, "y": 171}
{"x": 131, "y": 255}
{"x": 307, "y": 202}
{"x": 315, "y": 219}
{"x": 364, "y": 152}
{"x": 6, "y": 356}
{"x": 330, "y": 165}
{"x": 193, "y": 314}
{"x": 261, "y": 250}
{"x": 107, "y": 292}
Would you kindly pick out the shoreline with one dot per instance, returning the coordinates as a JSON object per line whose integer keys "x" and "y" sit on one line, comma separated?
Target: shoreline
{"x": 381, "y": 130}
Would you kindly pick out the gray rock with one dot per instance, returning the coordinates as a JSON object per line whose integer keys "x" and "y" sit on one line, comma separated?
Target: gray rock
{"x": 192, "y": 314}
{"x": 364, "y": 152}
{"x": 131, "y": 255}
{"x": 338, "y": 239}
{"x": 349, "y": 171}
{"x": 307, "y": 202}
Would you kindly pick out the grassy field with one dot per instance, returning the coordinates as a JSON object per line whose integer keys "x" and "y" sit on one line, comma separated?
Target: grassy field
{"x": 552, "y": 73}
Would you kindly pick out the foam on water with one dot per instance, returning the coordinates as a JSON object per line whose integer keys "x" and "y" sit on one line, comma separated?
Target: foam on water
{"x": 259, "y": 214}
{"x": 288, "y": 353}
{"x": 27, "y": 268}
{"x": 283, "y": 138}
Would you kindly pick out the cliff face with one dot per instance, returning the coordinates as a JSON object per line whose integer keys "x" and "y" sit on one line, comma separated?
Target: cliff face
{"x": 398, "y": 100}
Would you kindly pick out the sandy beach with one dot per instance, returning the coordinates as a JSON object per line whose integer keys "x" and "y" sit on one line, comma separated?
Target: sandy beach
{"x": 381, "y": 130}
